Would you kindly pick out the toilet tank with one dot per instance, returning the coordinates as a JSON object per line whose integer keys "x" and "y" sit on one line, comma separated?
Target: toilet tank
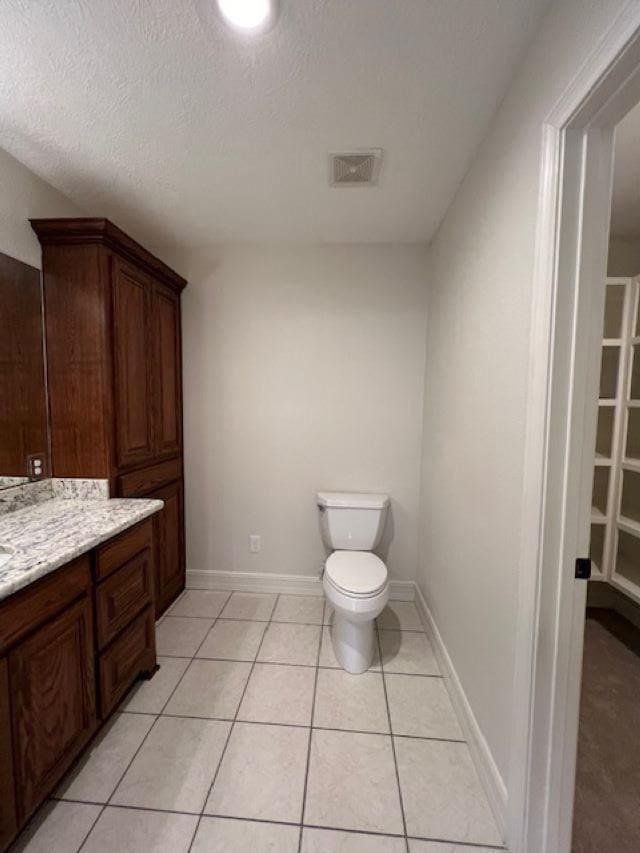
{"x": 351, "y": 521}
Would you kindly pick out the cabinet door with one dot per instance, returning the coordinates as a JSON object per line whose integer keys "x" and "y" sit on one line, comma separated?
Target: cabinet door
{"x": 53, "y": 696}
{"x": 8, "y": 820}
{"x": 132, "y": 354}
{"x": 169, "y": 537}
{"x": 167, "y": 369}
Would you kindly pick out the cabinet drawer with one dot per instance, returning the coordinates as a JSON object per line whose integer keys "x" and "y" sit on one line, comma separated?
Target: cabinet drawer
{"x": 147, "y": 479}
{"x": 120, "y": 550}
{"x": 23, "y": 612}
{"x": 122, "y": 595}
{"x": 132, "y": 653}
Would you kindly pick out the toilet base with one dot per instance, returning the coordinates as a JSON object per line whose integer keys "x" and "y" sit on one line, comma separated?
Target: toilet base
{"x": 353, "y": 643}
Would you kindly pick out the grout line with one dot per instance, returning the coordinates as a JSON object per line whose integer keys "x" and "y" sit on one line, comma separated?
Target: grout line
{"x": 472, "y": 845}
{"x": 90, "y": 830}
{"x": 123, "y": 774}
{"x": 128, "y": 808}
{"x": 297, "y": 725}
{"x": 231, "y": 728}
{"x": 308, "y": 665}
{"x": 313, "y": 711}
{"x": 393, "y": 746}
{"x": 375, "y": 832}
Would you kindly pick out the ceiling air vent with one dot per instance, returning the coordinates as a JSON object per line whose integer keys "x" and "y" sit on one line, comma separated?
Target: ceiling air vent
{"x": 355, "y": 168}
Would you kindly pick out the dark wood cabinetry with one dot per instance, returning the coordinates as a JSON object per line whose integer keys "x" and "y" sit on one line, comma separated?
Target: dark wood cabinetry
{"x": 71, "y": 645}
{"x": 112, "y": 316}
{"x": 52, "y": 686}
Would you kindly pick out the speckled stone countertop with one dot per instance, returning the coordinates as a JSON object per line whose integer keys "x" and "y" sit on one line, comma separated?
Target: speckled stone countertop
{"x": 47, "y": 535}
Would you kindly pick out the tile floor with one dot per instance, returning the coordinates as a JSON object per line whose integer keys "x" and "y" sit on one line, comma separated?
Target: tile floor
{"x": 251, "y": 738}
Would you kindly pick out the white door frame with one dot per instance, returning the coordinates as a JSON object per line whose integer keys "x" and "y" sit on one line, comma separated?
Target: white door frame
{"x": 566, "y": 334}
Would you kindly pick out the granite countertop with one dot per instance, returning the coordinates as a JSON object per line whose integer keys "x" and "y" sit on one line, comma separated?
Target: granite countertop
{"x": 47, "y": 535}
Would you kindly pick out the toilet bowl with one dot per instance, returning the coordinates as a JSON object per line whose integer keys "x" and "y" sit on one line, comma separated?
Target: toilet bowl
{"x": 356, "y": 585}
{"x": 355, "y": 580}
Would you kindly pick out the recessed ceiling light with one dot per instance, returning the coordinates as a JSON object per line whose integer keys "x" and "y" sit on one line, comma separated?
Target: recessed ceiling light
{"x": 247, "y": 14}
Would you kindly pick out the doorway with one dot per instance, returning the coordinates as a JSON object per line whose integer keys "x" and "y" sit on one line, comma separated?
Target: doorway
{"x": 607, "y": 788}
{"x": 566, "y": 339}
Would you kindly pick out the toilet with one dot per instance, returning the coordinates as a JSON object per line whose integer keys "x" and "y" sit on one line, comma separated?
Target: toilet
{"x": 355, "y": 580}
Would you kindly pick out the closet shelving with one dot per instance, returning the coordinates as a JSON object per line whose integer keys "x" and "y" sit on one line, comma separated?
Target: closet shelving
{"x": 615, "y": 515}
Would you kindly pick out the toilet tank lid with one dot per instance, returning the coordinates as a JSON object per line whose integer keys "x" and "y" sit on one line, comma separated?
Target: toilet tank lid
{"x": 352, "y": 500}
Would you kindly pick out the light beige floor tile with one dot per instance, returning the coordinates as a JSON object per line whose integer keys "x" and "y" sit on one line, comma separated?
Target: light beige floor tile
{"x": 210, "y": 688}
{"x": 262, "y": 773}
{"x": 58, "y": 827}
{"x": 233, "y": 640}
{"x": 307, "y": 609}
{"x": 99, "y": 770}
{"x": 176, "y": 765}
{"x": 400, "y": 615}
{"x": 200, "y": 602}
{"x": 441, "y": 792}
{"x": 179, "y": 636}
{"x": 240, "y": 836}
{"x": 328, "y": 614}
{"x": 335, "y": 841}
{"x": 328, "y": 658}
{"x": 290, "y": 644}
{"x": 421, "y": 706}
{"x": 416, "y": 846}
{"x": 345, "y": 701}
{"x": 278, "y": 693}
{"x": 150, "y": 696}
{"x": 408, "y": 652}
{"x": 352, "y": 783}
{"x": 248, "y": 605}
{"x": 136, "y": 831}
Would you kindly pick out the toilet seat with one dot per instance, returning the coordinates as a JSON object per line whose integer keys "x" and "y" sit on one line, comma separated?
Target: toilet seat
{"x": 356, "y": 573}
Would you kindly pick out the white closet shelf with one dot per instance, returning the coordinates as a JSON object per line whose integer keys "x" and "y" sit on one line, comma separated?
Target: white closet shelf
{"x": 629, "y": 588}
{"x": 603, "y": 461}
{"x": 631, "y": 465}
{"x": 597, "y": 516}
{"x": 629, "y": 525}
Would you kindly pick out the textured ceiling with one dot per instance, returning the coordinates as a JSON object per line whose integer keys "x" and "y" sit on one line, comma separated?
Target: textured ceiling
{"x": 154, "y": 114}
{"x": 625, "y": 208}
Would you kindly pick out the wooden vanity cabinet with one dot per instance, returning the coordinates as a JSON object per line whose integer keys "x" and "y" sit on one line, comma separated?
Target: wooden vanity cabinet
{"x": 114, "y": 371}
{"x": 47, "y": 662}
{"x": 71, "y": 645}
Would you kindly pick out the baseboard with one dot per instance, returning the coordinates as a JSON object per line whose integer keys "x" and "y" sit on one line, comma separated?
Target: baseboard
{"x": 486, "y": 767}
{"x": 292, "y": 584}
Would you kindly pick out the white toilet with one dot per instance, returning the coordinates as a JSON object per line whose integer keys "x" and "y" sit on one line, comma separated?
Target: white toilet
{"x": 355, "y": 581}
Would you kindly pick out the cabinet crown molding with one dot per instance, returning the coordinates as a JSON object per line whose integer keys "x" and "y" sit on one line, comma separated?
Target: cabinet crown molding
{"x": 81, "y": 231}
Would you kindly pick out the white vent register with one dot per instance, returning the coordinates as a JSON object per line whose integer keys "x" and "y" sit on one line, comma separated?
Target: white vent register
{"x": 355, "y": 168}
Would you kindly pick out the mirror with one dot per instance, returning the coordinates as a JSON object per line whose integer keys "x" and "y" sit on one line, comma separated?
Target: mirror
{"x": 23, "y": 402}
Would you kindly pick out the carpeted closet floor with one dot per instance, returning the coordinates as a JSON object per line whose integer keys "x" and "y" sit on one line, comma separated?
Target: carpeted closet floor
{"x": 607, "y": 805}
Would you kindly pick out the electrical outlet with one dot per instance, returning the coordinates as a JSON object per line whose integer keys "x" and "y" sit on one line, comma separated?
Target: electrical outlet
{"x": 254, "y": 543}
{"x": 36, "y": 466}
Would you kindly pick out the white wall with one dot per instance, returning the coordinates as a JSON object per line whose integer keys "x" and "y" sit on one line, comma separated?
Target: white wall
{"x": 303, "y": 370}
{"x": 476, "y": 376}
{"x": 24, "y": 196}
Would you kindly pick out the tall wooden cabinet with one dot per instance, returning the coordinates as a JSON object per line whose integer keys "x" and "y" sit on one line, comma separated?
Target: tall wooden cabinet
{"x": 112, "y": 317}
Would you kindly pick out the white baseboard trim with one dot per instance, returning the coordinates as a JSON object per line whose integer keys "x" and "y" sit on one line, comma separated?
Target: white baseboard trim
{"x": 292, "y": 584}
{"x": 490, "y": 777}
